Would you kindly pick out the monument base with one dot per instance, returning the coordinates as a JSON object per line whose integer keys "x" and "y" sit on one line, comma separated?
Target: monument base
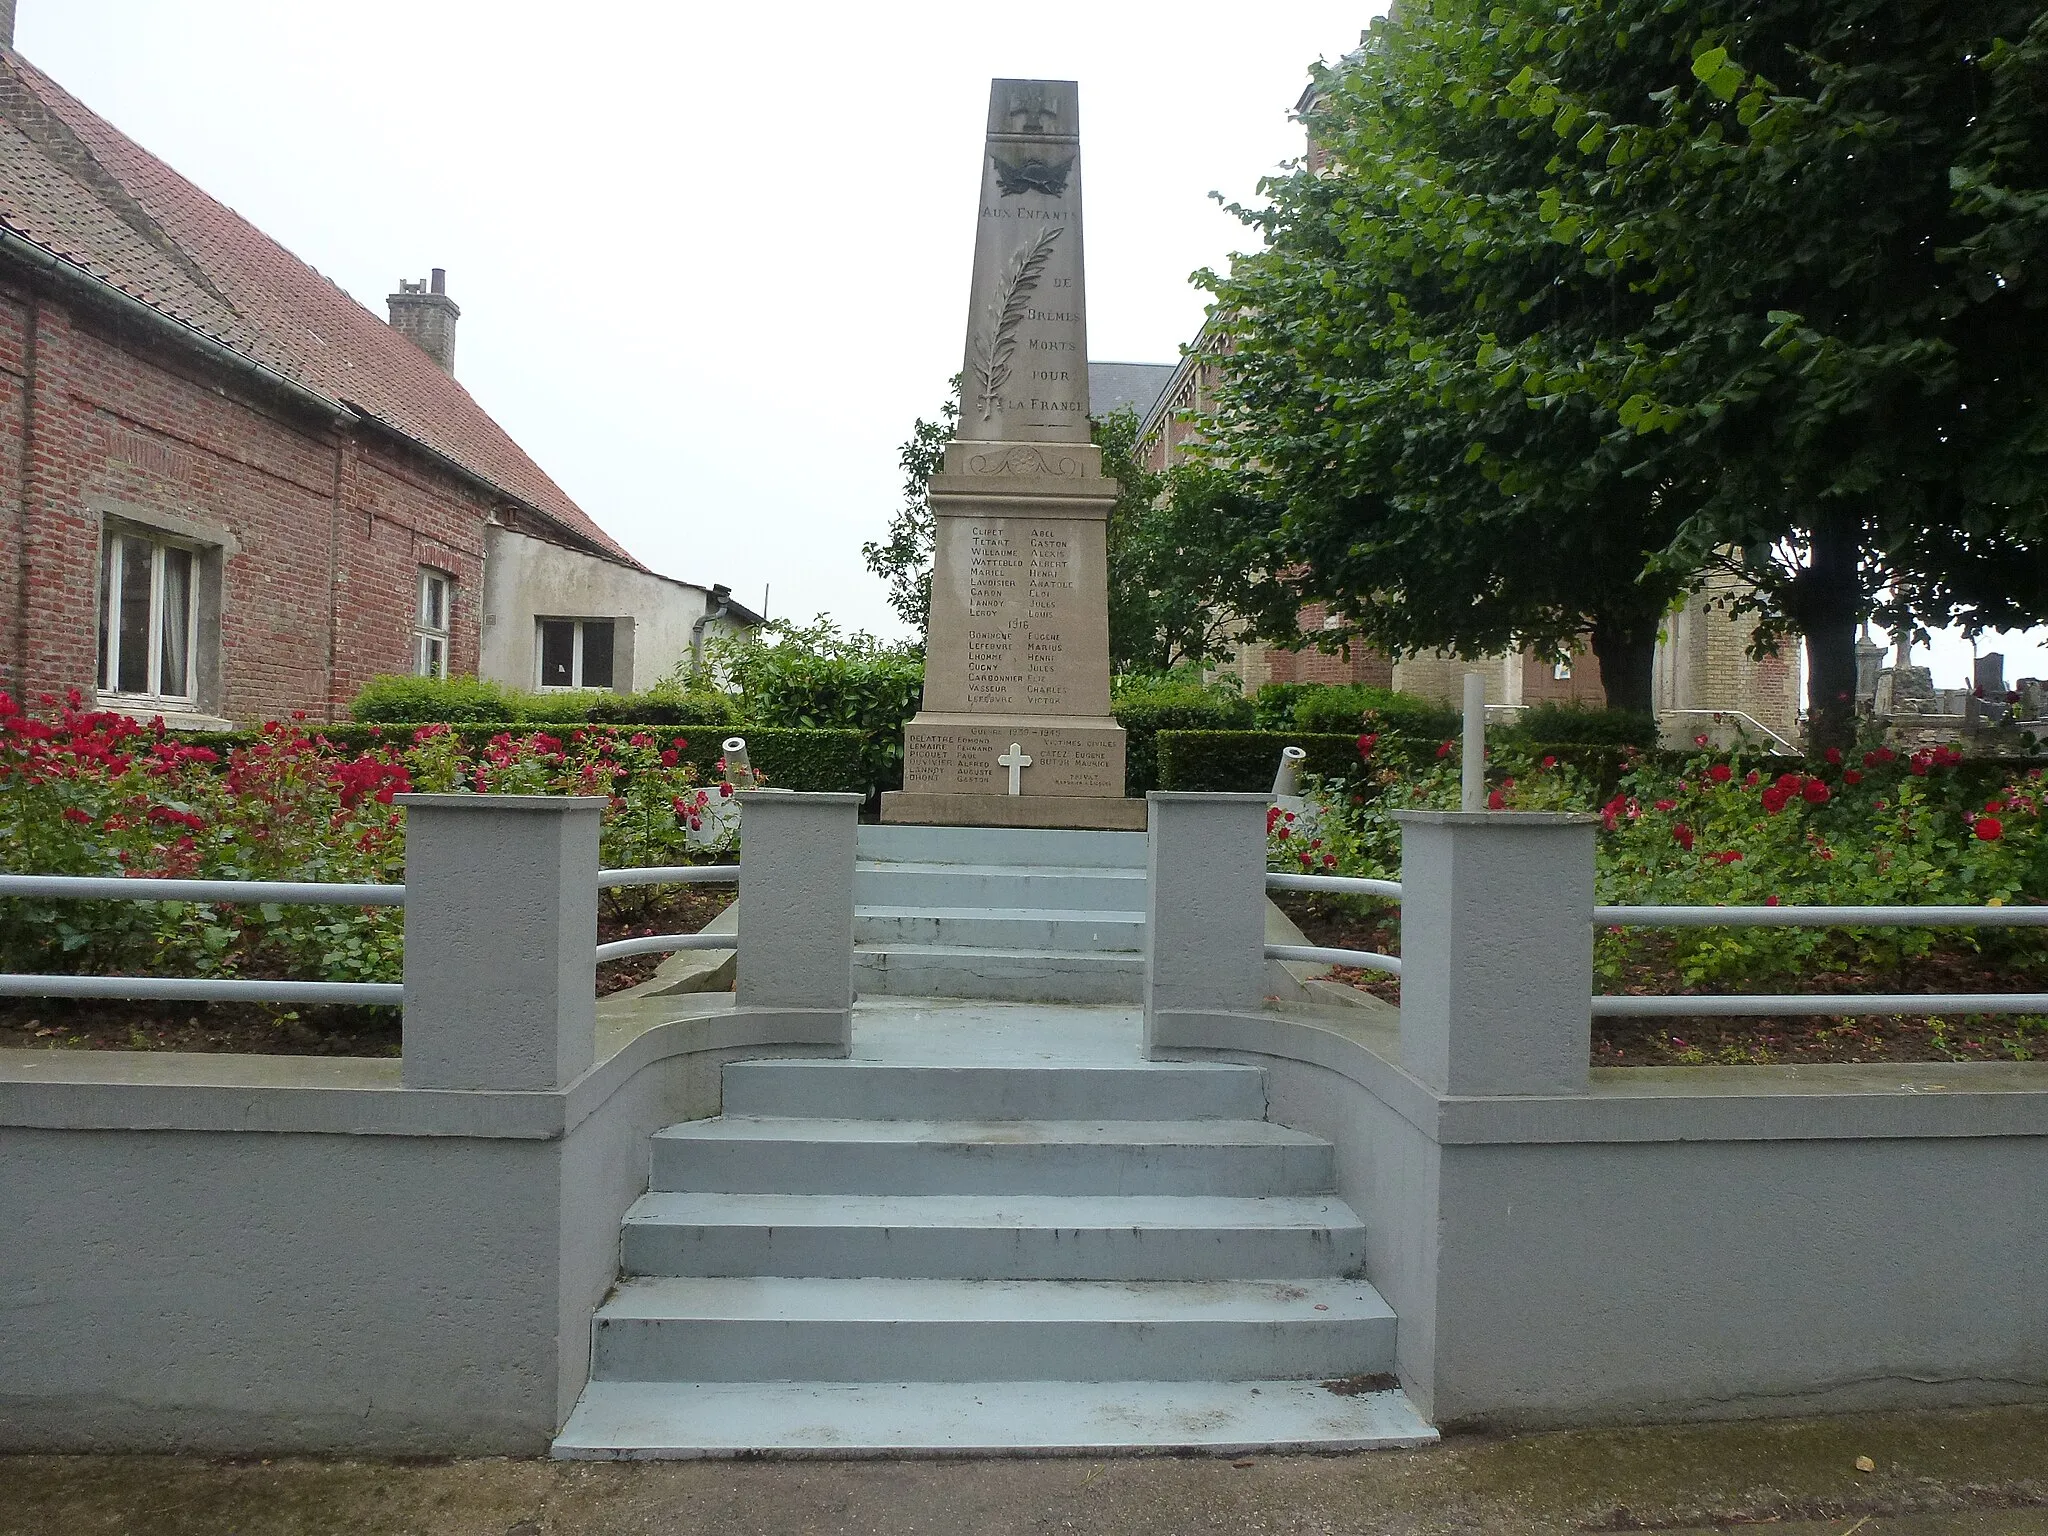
{"x": 1094, "y": 812}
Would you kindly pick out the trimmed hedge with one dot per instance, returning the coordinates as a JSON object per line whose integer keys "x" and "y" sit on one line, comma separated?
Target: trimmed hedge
{"x": 824, "y": 759}
{"x": 1247, "y": 760}
{"x": 1578, "y": 724}
{"x": 398, "y": 700}
{"x": 1146, "y": 707}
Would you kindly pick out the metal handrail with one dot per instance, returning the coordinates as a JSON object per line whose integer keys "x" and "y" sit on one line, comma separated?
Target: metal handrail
{"x": 663, "y": 943}
{"x": 1316, "y": 954}
{"x": 671, "y": 874}
{"x": 202, "y": 989}
{"x": 1343, "y": 885}
{"x": 1820, "y": 917}
{"x": 303, "y": 893}
{"x": 1680, "y": 1005}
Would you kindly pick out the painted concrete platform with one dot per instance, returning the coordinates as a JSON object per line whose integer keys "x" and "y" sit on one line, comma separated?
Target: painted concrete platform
{"x": 676, "y": 1420}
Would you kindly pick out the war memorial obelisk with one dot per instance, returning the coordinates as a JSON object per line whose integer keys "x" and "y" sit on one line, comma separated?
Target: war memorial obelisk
{"x": 1015, "y": 730}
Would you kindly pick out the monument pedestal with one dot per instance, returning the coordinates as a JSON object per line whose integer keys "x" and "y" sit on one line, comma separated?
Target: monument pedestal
{"x": 1100, "y": 813}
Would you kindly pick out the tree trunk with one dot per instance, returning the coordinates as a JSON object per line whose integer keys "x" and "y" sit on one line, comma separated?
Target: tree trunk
{"x": 1626, "y": 646}
{"x": 1828, "y": 603}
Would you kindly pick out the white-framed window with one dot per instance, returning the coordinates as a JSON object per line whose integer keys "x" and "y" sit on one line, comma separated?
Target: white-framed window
{"x": 149, "y": 617}
{"x": 430, "y": 629}
{"x": 576, "y": 653}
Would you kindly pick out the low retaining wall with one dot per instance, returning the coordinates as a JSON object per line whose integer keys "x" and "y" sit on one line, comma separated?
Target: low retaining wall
{"x": 255, "y": 1254}
{"x": 1680, "y": 1242}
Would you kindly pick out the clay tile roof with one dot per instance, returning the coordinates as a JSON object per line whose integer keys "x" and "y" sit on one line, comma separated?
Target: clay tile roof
{"x": 74, "y": 185}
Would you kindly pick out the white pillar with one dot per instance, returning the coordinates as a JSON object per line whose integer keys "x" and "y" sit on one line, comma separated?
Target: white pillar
{"x": 1205, "y": 904}
{"x": 500, "y": 940}
{"x": 1497, "y": 950}
{"x": 796, "y": 902}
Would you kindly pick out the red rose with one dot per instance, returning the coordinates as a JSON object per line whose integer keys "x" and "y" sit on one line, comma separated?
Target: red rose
{"x": 1550, "y": 762}
{"x": 1699, "y": 741}
{"x": 1329, "y": 861}
{"x": 1751, "y": 778}
{"x": 1283, "y": 834}
{"x": 1834, "y": 754}
{"x": 1851, "y": 776}
{"x": 1444, "y": 750}
{"x": 1366, "y": 744}
{"x": 1816, "y": 793}
{"x": 725, "y": 791}
{"x": 1496, "y": 801}
{"x": 1683, "y": 835}
{"x": 1774, "y": 799}
{"x": 73, "y": 813}
{"x": 1667, "y": 805}
{"x": 1989, "y": 828}
{"x": 1720, "y": 773}
{"x": 1729, "y": 856}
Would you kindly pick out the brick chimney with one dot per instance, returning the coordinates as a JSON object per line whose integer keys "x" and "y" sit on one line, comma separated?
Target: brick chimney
{"x": 423, "y": 313}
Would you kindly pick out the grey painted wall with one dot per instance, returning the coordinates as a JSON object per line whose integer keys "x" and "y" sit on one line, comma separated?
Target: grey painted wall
{"x": 299, "y": 1254}
{"x": 1697, "y": 1242}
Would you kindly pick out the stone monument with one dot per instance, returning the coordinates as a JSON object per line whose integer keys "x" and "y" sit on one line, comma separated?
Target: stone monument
{"x": 1015, "y": 728}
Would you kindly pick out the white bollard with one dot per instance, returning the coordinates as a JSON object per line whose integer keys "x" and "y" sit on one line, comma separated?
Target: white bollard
{"x": 1472, "y": 788}
{"x": 1287, "y": 778}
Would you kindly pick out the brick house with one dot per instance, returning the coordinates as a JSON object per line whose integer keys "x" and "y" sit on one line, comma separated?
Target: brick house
{"x": 228, "y": 491}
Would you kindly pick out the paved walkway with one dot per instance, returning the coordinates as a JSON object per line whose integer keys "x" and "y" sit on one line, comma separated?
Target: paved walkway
{"x": 1982, "y": 1473}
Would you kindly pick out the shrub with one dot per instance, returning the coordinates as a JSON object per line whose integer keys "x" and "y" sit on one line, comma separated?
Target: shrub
{"x": 813, "y": 677}
{"x": 453, "y": 700}
{"x": 1176, "y": 701}
{"x": 1580, "y": 725}
{"x": 1348, "y": 708}
{"x": 659, "y": 706}
{"x": 1273, "y": 705}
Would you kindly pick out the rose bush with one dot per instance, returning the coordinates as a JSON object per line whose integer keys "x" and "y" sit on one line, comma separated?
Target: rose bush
{"x": 94, "y": 793}
{"x": 1875, "y": 827}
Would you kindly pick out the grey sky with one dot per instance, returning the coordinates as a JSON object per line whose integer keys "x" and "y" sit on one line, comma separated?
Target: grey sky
{"x": 712, "y": 260}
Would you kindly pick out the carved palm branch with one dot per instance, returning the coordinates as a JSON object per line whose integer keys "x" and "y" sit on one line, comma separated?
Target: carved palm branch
{"x": 1006, "y": 314}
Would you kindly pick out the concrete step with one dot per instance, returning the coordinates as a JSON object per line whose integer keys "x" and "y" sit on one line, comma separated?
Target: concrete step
{"x": 990, "y": 1157}
{"x": 993, "y": 1237}
{"x": 1028, "y": 928}
{"x": 1002, "y": 845}
{"x": 781, "y": 1329}
{"x": 882, "y": 1090}
{"x": 673, "y": 1420}
{"x": 1010, "y": 975}
{"x": 927, "y": 885}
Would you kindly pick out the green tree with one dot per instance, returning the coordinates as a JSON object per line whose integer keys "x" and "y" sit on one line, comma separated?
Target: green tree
{"x": 1580, "y": 303}
{"x": 904, "y": 558}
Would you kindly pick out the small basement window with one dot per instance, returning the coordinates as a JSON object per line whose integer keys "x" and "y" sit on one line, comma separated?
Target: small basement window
{"x": 576, "y": 653}
{"x": 430, "y": 629}
{"x": 149, "y": 618}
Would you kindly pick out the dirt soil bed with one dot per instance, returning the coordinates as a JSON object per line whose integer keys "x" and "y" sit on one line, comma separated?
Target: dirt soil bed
{"x": 1344, "y": 924}
{"x": 48, "y": 1023}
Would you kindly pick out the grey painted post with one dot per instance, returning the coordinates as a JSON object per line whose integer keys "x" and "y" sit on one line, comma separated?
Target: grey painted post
{"x": 500, "y": 940}
{"x": 1205, "y": 905}
{"x": 796, "y": 902}
{"x": 1497, "y": 950}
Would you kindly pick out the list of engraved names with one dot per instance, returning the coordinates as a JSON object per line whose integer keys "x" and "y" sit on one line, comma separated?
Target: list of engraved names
{"x": 1020, "y": 580}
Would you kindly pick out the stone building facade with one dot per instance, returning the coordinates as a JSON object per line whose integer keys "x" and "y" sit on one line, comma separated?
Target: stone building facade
{"x": 227, "y": 490}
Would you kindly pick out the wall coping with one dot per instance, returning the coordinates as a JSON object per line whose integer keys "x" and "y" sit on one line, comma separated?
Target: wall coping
{"x": 359, "y": 1096}
{"x": 1644, "y": 1104}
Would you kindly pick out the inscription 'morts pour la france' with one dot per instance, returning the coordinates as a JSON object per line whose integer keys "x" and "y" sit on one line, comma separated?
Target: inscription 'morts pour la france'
{"x": 1027, "y": 337}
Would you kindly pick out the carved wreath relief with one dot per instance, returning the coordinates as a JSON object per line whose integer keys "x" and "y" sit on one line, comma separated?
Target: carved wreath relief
{"x": 1006, "y": 314}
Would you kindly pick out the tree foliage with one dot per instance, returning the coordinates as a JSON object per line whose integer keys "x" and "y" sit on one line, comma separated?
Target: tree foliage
{"x": 1587, "y": 297}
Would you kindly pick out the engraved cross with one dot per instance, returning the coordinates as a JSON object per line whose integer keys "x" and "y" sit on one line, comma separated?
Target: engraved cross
{"x": 1016, "y": 760}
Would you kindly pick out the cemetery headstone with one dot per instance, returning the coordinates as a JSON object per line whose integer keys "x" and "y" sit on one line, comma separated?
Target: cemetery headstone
{"x": 1015, "y": 728}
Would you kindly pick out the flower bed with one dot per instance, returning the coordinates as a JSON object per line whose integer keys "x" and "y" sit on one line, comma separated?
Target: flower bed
{"x": 1875, "y": 827}
{"x": 93, "y": 793}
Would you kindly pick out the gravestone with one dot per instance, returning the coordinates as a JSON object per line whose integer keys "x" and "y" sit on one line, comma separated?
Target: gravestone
{"x": 1015, "y": 728}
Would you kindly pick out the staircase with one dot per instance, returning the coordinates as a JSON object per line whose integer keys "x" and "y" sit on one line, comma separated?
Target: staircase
{"x": 994, "y": 1230}
{"x": 999, "y": 912}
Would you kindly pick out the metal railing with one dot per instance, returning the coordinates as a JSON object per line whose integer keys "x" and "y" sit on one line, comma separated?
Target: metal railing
{"x": 1341, "y": 885}
{"x": 202, "y": 989}
{"x": 1738, "y": 1005}
{"x": 1681, "y": 1005}
{"x": 668, "y": 874}
{"x": 226, "y": 989}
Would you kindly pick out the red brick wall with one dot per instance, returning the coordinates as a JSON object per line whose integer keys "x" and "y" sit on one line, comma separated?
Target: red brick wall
{"x": 328, "y": 529}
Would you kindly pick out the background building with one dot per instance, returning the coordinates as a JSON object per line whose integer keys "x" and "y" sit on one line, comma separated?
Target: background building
{"x": 228, "y": 491}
